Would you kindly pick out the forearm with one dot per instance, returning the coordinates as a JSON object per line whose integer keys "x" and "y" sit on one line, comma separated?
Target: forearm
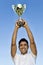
{"x": 29, "y": 33}
{"x": 14, "y": 36}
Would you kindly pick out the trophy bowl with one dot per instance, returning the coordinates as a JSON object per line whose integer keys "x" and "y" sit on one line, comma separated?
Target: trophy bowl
{"x": 19, "y": 9}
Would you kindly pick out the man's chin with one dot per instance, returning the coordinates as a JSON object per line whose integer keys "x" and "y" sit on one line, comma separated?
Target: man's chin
{"x": 23, "y": 53}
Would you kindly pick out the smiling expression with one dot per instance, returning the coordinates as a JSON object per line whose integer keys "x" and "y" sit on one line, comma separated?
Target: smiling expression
{"x": 23, "y": 47}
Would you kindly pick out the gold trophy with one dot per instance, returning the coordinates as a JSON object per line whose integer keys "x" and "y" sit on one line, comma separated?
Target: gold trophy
{"x": 19, "y": 9}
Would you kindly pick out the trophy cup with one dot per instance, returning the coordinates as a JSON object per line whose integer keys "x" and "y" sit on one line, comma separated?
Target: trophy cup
{"x": 19, "y": 9}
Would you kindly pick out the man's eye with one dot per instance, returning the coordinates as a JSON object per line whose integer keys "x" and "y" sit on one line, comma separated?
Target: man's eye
{"x": 21, "y": 45}
{"x": 25, "y": 44}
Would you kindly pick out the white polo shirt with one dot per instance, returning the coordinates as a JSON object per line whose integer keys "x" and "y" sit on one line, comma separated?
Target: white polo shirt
{"x": 27, "y": 59}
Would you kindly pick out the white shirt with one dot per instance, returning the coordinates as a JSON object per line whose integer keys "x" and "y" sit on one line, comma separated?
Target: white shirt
{"x": 27, "y": 59}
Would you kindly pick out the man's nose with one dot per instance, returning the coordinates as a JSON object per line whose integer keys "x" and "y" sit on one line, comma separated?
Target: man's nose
{"x": 23, "y": 46}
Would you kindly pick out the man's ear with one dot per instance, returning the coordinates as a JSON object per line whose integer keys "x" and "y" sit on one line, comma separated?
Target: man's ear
{"x": 28, "y": 46}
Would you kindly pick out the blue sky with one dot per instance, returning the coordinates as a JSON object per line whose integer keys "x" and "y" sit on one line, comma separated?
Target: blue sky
{"x": 34, "y": 17}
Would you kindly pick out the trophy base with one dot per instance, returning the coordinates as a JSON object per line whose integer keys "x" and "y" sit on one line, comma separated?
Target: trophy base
{"x": 20, "y": 23}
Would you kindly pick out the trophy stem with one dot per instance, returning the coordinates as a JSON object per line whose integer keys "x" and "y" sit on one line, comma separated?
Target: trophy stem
{"x": 20, "y": 19}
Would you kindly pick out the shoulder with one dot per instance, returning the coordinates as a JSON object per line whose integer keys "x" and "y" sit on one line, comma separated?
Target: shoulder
{"x": 16, "y": 56}
{"x": 32, "y": 56}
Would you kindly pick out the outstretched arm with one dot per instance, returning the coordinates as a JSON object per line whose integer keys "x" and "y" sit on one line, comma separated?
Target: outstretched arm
{"x": 13, "y": 43}
{"x": 32, "y": 42}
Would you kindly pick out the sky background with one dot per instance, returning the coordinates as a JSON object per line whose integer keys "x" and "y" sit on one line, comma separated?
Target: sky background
{"x": 33, "y": 16}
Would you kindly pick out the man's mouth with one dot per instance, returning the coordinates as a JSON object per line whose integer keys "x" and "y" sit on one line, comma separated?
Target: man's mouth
{"x": 23, "y": 49}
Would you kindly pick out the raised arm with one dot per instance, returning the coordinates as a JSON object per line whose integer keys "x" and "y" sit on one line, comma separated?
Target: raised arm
{"x": 30, "y": 35}
{"x": 13, "y": 43}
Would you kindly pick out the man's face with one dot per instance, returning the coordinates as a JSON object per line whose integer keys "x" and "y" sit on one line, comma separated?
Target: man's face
{"x": 23, "y": 47}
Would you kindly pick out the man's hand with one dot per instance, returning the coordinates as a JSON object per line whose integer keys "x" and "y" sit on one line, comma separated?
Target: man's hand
{"x": 21, "y": 23}
{"x": 17, "y": 24}
{"x": 25, "y": 23}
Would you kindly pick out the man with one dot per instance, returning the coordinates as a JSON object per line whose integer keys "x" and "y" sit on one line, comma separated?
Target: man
{"x": 24, "y": 58}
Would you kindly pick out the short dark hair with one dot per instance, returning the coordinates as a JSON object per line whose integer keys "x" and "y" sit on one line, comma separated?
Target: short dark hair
{"x": 23, "y": 39}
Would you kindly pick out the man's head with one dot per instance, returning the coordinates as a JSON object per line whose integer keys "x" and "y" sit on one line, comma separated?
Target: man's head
{"x": 23, "y": 46}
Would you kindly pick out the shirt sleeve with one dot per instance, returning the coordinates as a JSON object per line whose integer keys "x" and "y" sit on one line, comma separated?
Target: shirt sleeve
{"x": 33, "y": 56}
{"x": 15, "y": 59}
